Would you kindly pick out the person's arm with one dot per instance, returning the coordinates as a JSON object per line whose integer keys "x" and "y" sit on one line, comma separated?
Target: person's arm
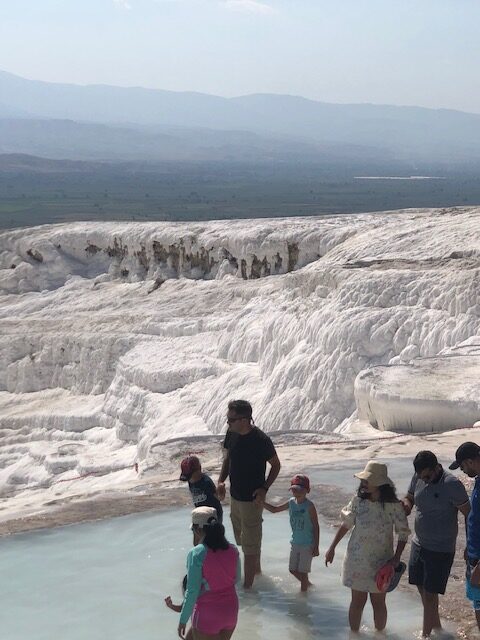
{"x": 330, "y": 553}
{"x": 210, "y": 486}
{"x": 459, "y": 499}
{"x": 348, "y": 516}
{"x": 275, "y": 466}
{"x": 395, "y": 561}
{"x": 465, "y": 510}
{"x": 224, "y": 471}
{"x": 316, "y": 530}
{"x": 409, "y": 500}
{"x": 407, "y": 503}
{"x": 194, "y": 582}
{"x": 402, "y": 530}
{"x": 174, "y": 607}
{"x": 275, "y": 508}
{"x": 239, "y": 570}
{"x": 475, "y": 576}
{"x": 260, "y": 493}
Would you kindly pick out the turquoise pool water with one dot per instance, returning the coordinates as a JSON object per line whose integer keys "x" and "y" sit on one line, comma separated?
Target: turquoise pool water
{"x": 107, "y": 580}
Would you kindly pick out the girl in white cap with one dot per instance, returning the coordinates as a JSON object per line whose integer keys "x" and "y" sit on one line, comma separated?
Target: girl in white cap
{"x": 373, "y": 515}
{"x": 213, "y": 569}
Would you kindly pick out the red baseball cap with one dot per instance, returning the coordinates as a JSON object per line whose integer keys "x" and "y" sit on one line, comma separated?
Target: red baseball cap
{"x": 189, "y": 465}
{"x": 300, "y": 482}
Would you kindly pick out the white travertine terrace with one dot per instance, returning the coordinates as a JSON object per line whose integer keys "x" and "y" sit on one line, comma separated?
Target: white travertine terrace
{"x": 116, "y": 337}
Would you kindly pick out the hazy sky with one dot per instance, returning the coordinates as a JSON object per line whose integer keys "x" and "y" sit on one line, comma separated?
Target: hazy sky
{"x": 422, "y": 52}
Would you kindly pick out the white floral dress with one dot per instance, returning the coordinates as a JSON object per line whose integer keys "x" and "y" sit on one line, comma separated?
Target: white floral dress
{"x": 371, "y": 541}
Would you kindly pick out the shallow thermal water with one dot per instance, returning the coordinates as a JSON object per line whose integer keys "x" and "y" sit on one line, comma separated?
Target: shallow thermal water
{"x": 341, "y": 473}
{"x": 109, "y": 579}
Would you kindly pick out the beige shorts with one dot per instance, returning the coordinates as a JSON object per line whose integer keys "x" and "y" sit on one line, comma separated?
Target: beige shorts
{"x": 300, "y": 558}
{"x": 247, "y": 525}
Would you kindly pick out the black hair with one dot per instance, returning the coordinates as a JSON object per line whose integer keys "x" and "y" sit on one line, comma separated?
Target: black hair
{"x": 387, "y": 493}
{"x": 215, "y": 537}
{"x": 184, "y": 584}
{"x": 242, "y": 408}
{"x": 424, "y": 460}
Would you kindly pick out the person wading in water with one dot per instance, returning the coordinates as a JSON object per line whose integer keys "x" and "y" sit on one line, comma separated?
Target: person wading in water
{"x": 247, "y": 450}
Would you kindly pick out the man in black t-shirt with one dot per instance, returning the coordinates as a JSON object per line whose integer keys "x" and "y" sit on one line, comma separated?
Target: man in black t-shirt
{"x": 247, "y": 450}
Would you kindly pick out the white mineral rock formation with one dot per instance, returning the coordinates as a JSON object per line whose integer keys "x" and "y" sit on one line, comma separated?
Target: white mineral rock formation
{"x": 117, "y": 337}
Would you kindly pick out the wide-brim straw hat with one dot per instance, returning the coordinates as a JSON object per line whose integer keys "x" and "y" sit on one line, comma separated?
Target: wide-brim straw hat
{"x": 375, "y": 473}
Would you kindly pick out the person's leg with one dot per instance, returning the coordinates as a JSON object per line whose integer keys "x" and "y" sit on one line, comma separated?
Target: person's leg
{"x": 437, "y": 571}
{"x": 251, "y": 516}
{"x": 304, "y": 581}
{"x": 420, "y": 591}
{"x": 235, "y": 517}
{"x": 425, "y": 622}
{"x": 304, "y": 567}
{"x": 250, "y": 563}
{"x": 226, "y": 634}
{"x": 416, "y": 573}
{"x": 302, "y": 578}
{"x": 477, "y": 616}
{"x": 258, "y": 568}
{"x": 431, "y": 618}
{"x": 379, "y": 610}
{"x": 472, "y": 593}
{"x": 189, "y": 635}
{"x": 426, "y": 614}
{"x": 294, "y": 561}
{"x": 355, "y": 611}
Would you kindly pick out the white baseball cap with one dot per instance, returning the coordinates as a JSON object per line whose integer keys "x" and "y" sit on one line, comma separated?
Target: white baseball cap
{"x": 204, "y": 516}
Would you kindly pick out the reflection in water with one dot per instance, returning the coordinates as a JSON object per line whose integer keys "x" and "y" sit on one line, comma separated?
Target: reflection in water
{"x": 301, "y": 611}
{"x": 108, "y": 580}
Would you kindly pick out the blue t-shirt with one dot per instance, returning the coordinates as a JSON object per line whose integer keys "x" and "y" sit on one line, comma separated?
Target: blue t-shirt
{"x": 473, "y": 523}
{"x": 301, "y": 522}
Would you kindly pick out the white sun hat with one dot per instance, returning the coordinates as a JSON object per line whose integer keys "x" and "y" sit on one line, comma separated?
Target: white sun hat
{"x": 375, "y": 473}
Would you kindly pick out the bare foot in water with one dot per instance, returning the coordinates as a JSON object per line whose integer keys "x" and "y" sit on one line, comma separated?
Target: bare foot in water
{"x": 305, "y": 586}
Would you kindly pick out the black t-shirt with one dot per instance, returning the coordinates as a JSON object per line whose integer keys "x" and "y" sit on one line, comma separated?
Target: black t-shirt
{"x": 248, "y": 462}
{"x": 203, "y": 494}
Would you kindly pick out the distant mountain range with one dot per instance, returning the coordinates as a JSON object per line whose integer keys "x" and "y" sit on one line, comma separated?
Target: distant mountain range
{"x": 95, "y": 141}
{"x": 114, "y": 123}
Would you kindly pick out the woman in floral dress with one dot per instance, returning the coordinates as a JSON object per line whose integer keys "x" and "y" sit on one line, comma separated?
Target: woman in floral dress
{"x": 373, "y": 515}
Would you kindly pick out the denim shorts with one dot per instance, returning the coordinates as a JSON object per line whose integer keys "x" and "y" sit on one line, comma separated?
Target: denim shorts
{"x": 472, "y": 592}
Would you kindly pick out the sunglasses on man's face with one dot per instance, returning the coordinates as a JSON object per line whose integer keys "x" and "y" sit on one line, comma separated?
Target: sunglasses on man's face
{"x": 232, "y": 420}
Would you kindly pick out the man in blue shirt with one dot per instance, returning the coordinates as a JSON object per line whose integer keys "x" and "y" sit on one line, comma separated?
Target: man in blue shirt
{"x": 467, "y": 458}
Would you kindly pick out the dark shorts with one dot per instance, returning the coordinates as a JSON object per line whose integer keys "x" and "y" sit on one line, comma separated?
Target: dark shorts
{"x": 429, "y": 569}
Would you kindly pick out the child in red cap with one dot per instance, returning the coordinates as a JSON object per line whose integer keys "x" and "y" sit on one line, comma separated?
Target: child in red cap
{"x": 202, "y": 487}
{"x": 305, "y": 529}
